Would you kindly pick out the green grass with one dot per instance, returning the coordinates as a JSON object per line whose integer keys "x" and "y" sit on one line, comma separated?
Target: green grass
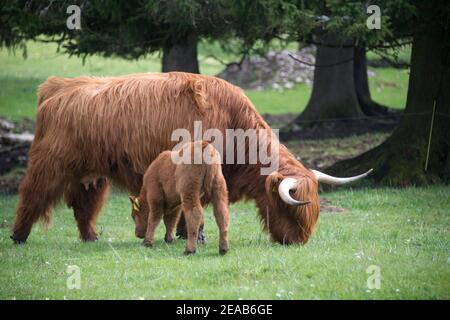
{"x": 402, "y": 231}
{"x": 279, "y": 102}
{"x": 389, "y": 87}
{"x": 20, "y": 77}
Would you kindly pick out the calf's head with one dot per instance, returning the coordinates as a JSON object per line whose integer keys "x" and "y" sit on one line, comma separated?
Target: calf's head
{"x": 139, "y": 214}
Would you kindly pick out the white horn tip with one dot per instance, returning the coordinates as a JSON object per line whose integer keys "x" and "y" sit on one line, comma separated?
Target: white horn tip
{"x": 322, "y": 177}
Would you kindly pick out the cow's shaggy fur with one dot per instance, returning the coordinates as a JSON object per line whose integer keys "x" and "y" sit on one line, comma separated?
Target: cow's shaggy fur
{"x": 170, "y": 187}
{"x": 110, "y": 129}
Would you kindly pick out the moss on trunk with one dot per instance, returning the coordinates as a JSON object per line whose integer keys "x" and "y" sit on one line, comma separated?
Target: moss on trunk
{"x": 400, "y": 160}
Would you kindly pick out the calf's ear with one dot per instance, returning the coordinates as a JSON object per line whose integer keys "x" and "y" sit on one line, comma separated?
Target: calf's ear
{"x": 135, "y": 202}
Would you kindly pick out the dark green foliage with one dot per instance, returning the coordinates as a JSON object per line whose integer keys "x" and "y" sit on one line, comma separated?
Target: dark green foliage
{"x": 134, "y": 28}
{"x": 128, "y": 29}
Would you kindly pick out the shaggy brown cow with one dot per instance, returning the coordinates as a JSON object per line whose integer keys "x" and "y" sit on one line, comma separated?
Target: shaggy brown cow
{"x": 103, "y": 129}
{"x": 170, "y": 187}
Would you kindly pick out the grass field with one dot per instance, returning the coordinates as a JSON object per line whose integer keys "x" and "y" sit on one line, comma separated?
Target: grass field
{"x": 404, "y": 232}
{"x": 19, "y": 79}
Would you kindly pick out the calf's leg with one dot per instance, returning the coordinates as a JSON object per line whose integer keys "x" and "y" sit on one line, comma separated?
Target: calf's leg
{"x": 193, "y": 215}
{"x": 221, "y": 213}
{"x": 170, "y": 221}
{"x": 154, "y": 218}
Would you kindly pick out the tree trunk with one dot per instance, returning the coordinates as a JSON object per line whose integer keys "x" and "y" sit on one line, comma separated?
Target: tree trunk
{"x": 401, "y": 160}
{"x": 181, "y": 56}
{"x": 333, "y": 94}
{"x": 368, "y": 106}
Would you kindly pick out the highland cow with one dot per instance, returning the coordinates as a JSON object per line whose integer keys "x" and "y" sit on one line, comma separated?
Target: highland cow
{"x": 91, "y": 129}
{"x": 173, "y": 182}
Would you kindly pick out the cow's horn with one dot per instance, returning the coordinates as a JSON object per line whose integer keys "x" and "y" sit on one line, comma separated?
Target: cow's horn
{"x": 322, "y": 177}
{"x": 283, "y": 189}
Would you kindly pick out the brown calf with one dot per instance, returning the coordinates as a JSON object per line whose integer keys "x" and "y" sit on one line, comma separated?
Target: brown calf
{"x": 171, "y": 185}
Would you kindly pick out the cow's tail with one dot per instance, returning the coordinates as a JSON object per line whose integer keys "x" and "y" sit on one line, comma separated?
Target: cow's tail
{"x": 196, "y": 88}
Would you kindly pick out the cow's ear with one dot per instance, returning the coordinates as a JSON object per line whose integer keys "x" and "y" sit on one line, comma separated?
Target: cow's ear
{"x": 132, "y": 199}
{"x": 273, "y": 181}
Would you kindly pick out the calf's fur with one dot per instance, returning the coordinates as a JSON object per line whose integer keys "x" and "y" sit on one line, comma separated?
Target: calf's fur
{"x": 170, "y": 186}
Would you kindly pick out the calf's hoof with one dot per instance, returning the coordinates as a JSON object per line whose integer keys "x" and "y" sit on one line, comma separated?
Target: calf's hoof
{"x": 189, "y": 252}
{"x": 223, "y": 251}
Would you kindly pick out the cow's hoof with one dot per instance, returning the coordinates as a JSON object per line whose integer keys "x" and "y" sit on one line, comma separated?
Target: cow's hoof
{"x": 169, "y": 240}
{"x": 89, "y": 238}
{"x": 182, "y": 234}
{"x": 223, "y": 251}
{"x": 17, "y": 241}
{"x": 148, "y": 244}
{"x": 201, "y": 237}
{"x": 189, "y": 252}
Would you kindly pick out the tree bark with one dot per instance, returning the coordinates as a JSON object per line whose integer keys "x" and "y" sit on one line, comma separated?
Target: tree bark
{"x": 401, "y": 159}
{"x": 333, "y": 94}
{"x": 368, "y": 106}
{"x": 181, "y": 56}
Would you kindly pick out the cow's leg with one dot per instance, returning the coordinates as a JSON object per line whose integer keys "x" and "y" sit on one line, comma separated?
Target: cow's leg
{"x": 42, "y": 186}
{"x": 86, "y": 202}
{"x": 182, "y": 231}
{"x": 181, "y": 227}
{"x": 155, "y": 215}
{"x": 193, "y": 216}
{"x": 170, "y": 221}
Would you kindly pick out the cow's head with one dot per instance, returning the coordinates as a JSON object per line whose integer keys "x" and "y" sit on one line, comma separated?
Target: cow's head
{"x": 291, "y": 207}
{"x": 139, "y": 214}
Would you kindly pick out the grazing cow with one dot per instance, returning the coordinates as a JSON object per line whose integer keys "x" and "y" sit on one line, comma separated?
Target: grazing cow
{"x": 92, "y": 129}
{"x": 171, "y": 185}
